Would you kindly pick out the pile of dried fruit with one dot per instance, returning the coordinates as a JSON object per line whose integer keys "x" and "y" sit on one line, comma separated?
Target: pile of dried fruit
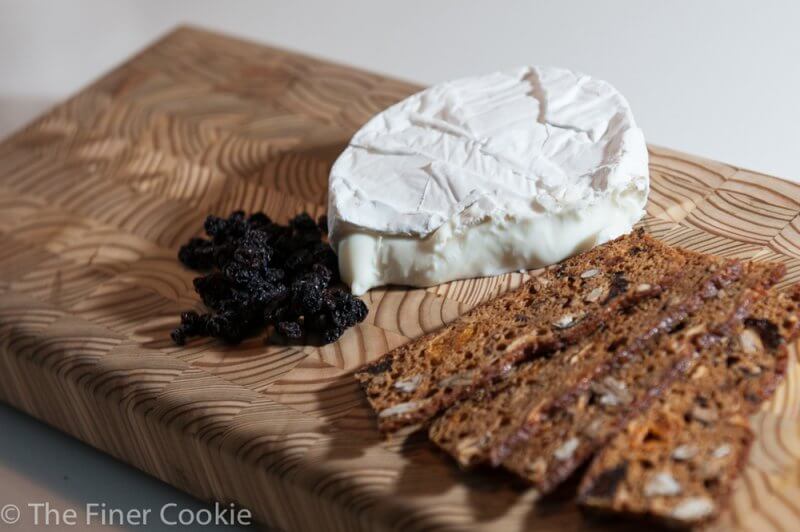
{"x": 259, "y": 274}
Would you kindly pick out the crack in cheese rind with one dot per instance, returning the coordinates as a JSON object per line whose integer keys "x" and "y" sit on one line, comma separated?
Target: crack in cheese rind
{"x": 531, "y": 165}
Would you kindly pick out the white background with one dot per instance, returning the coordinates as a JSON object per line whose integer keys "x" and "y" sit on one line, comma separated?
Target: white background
{"x": 715, "y": 78}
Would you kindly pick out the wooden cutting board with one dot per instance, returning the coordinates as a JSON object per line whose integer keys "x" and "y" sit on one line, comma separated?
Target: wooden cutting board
{"x": 95, "y": 198}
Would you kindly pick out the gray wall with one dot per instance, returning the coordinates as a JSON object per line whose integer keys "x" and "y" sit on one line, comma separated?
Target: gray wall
{"x": 717, "y": 78}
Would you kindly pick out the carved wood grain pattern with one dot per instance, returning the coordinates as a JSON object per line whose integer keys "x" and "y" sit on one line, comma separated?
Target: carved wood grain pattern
{"x": 95, "y": 197}
{"x": 678, "y": 185}
{"x": 747, "y": 207}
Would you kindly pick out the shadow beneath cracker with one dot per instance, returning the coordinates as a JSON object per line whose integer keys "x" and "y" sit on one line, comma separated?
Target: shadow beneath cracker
{"x": 425, "y": 475}
{"x": 420, "y": 470}
{"x": 559, "y": 509}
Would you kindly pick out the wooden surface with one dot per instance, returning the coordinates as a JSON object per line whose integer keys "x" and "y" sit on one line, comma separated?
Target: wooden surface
{"x": 95, "y": 198}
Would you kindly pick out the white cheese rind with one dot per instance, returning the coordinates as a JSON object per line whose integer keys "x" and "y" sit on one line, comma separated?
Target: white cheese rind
{"x": 486, "y": 175}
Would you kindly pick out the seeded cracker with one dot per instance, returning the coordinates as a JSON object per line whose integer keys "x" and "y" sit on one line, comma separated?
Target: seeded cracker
{"x": 697, "y": 435}
{"x": 600, "y": 411}
{"x": 552, "y": 311}
{"x": 487, "y": 426}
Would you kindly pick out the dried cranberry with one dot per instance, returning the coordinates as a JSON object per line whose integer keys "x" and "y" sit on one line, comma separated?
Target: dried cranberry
{"x": 263, "y": 273}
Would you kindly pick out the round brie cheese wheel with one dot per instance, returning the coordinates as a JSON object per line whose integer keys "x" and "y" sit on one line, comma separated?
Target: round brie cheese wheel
{"x": 485, "y": 175}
